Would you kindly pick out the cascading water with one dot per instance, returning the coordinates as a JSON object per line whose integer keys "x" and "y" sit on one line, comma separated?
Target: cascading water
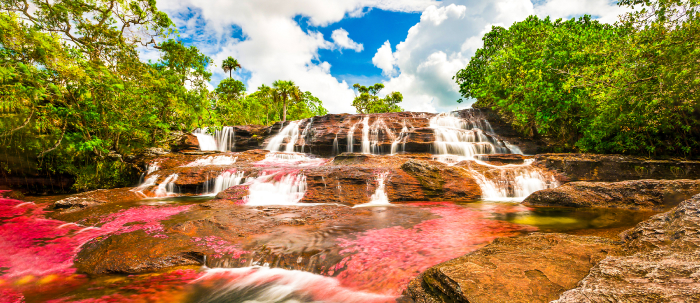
{"x": 276, "y": 190}
{"x": 379, "y": 198}
{"x": 290, "y": 133}
{"x": 206, "y": 141}
{"x": 148, "y": 182}
{"x": 224, "y": 181}
{"x": 463, "y": 139}
{"x": 351, "y": 138}
{"x": 289, "y": 159}
{"x": 305, "y": 134}
{"x": 167, "y": 187}
{"x": 335, "y": 146}
{"x": 223, "y": 140}
{"x": 365, "y": 136}
{"x": 213, "y": 160}
{"x": 401, "y": 139}
{"x": 511, "y": 182}
{"x": 152, "y": 167}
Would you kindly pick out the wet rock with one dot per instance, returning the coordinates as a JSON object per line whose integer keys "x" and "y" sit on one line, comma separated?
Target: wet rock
{"x": 639, "y": 194}
{"x": 78, "y": 202}
{"x": 534, "y": 268}
{"x": 661, "y": 264}
{"x": 502, "y": 159}
{"x": 613, "y": 168}
{"x": 96, "y": 197}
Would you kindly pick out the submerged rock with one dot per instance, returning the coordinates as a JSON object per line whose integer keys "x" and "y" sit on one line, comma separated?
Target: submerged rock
{"x": 639, "y": 194}
{"x": 535, "y": 268}
{"x": 661, "y": 264}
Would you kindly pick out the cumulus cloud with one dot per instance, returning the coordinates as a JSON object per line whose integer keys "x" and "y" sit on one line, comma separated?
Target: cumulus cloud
{"x": 342, "y": 40}
{"x": 384, "y": 59}
{"x": 449, "y": 34}
{"x": 273, "y": 46}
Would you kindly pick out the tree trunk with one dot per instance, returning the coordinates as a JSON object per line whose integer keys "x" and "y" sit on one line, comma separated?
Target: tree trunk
{"x": 284, "y": 111}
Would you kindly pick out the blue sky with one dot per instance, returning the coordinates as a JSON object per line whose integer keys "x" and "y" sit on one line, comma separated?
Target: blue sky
{"x": 326, "y": 46}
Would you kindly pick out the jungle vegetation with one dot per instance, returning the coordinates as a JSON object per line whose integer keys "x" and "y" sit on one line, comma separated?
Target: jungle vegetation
{"x": 628, "y": 88}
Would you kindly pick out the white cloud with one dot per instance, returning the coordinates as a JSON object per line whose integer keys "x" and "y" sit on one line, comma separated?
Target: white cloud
{"x": 384, "y": 59}
{"x": 342, "y": 40}
{"x": 448, "y": 35}
{"x": 273, "y": 46}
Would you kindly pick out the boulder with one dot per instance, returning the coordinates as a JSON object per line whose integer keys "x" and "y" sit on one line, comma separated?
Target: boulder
{"x": 534, "y": 268}
{"x": 638, "y": 194}
{"x": 661, "y": 262}
{"x": 613, "y": 168}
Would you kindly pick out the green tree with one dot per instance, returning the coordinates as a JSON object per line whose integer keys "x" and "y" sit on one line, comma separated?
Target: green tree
{"x": 367, "y": 102}
{"x": 230, "y": 65}
{"x": 286, "y": 91}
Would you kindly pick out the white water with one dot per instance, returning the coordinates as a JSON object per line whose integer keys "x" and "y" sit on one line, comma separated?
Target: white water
{"x": 290, "y": 133}
{"x": 305, "y": 134}
{"x": 223, "y": 140}
{"x": 167, "y": 187}
{"x": 365, "y": 136}
{"x": 335, "y": 146}
{"x": 213, "y": 160}
{"x": 264, "y": 190}
{"x": 464, "y": 139}
{"x": 150, "y": 181}
{"x": 290, "y": 159}
{"x": 263, "y": 284}
{"x": 152, "y": 167}
{"x": 401, "y": 139}
{"x": 379, "y": 198}
{"x": 351, "y": 138}
{"x": 512, "y": 182}
{"x": 224, "y": 181}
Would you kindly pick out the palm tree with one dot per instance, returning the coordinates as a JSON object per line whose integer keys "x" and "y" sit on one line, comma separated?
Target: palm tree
{"x": 284, "y": 91}
{"x": 230, "y": 65}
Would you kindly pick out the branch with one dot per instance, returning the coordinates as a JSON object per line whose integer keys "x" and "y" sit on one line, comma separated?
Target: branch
{"x": 57, "y": 143}
{"x": 10, "y": 132}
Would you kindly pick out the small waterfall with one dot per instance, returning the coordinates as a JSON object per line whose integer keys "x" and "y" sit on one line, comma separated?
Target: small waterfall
{"x": 457, "y": 137}
{"x": 167, "y": 187}
{"x": 206, "y": 141}
{"x": 213, "y": 160}
{"x": 150, "y": 181}
{"x": 401, "y": 139}
{"x": 335, "y": 146}
{"x": 305, "y": 134}
{"x": 223, "y": 140}
{"x": 285, "y": 190}
{"x": 274, "y": 159}
{"x": 289, "y": 133}
{"x": 152, "y": 167}
{"x": 512, "y": 182}
{"x": 351, "y": 138}
{"x": 224, "y": 181}
{"x": 365, "y": 136}
{"x": 379, "y": 198}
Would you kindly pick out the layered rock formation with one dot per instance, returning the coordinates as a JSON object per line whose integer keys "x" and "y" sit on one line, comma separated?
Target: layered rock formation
{"x": 613, "y": 168}
{"x": 638, "y": 194}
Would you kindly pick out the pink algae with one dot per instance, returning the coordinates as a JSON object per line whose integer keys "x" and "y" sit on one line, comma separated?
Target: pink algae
{"x": 34, "y": 246}
{"x": 220, "y": 247}
{"x": 385, "y": 260}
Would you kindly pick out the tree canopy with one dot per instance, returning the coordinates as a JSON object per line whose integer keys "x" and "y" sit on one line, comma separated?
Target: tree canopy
{"x": 367, "y": 102}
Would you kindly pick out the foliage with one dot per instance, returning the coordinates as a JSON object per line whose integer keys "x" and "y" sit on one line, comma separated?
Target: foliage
{"x": 367, "y": 102}
{"x": 286, "y": 91}
{"x": 624, "y": 88}
{"x": 230, "y": 65}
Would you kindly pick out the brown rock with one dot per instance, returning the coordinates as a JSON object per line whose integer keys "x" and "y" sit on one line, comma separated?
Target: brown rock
{"x": 534, "y": 268}
{"x": 613, "y": 168}
{"x": 662, "y": 263}
{"x": 639, "y": 194}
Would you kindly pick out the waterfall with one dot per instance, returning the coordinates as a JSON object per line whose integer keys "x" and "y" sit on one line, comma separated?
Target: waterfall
{"x": 150, "y": 181}
{"x": 365, "y": 136}
{"x": 351, "y": 139}
{"x": 335, "y": 146}
{"x": 275, "y": 190}
{"x": 512, "y": 182}
{"x": 224, "y": 181}
{"x": 222, "y": 140}
{"x": 290, "y": 133}
{"x": 206, "y": 141}
{"x": 152, "y": 167}
{"x": 213, "y": 160}
{"x": 305, "y": 134}
{"x": 401, "y": 139}
{"x": 167, "y": 187}
{"x": 457, "y": 137}
{"x": 379, "y": 198}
